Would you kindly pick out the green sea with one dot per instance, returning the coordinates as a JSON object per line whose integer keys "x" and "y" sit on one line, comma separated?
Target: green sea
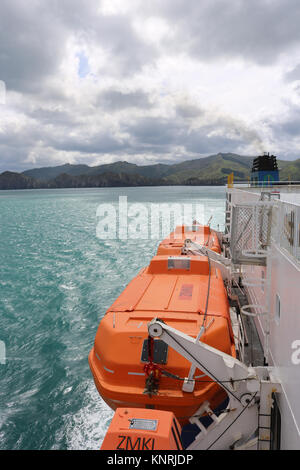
{"x": 57, "y": 278}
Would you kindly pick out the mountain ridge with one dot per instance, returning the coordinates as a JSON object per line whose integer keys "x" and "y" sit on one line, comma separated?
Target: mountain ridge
{"x": 155, "y": 170}
{"x": 211, "y": 170}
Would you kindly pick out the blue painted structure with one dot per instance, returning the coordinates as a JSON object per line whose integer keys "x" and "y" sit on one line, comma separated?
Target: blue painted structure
{"x": 264, "y": 171}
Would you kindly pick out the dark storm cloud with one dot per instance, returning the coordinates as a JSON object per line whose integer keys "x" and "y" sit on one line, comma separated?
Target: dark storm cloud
{"x": 128, "y": 51}
{"x": 98, "y": 143}
{"x": 200, "y": 141}
{"x": 30, "y": 43}
{"x": 188, "y": 110}
{"x": 114, "y": 100}
{"x": 16, "y": 144}
{"x": 114, "y": 33}
{"x": 288, "y": 126}
{"x": 161, "y": 135}
{"x": 34, "y": 36}
{"x": 257, "y": 30}
{"x": 12, "y": 158}
{"x": 157, "y": 131}
{"x": 59, "y": 118}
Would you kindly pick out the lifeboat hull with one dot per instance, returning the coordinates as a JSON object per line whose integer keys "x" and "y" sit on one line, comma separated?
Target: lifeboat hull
{"x": 174, "y": 290}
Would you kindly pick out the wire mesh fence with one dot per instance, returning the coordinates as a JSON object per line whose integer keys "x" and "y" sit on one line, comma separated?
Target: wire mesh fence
{"x": 250, "y": 233}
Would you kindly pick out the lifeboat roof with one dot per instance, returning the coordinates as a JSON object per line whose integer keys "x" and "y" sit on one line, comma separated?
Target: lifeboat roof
{"x": 174, "y": 284}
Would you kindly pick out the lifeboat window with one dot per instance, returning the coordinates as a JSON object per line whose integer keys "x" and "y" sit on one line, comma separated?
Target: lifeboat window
{"x": 179, "y": 263}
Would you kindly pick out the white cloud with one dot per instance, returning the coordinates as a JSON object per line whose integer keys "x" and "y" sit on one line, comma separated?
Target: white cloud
{"x": 94, "y": 82}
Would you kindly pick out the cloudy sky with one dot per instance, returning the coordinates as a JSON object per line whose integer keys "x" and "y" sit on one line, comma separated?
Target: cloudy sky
{"x": 147, "y": 81}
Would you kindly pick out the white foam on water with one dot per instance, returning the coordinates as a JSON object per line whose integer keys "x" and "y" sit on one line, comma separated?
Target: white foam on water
{"x": 66, "y": 287}
{"x": 86, "y": 429}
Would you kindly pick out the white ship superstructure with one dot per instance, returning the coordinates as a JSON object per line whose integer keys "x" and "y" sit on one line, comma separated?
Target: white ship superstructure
{"x": 263, "y": 233}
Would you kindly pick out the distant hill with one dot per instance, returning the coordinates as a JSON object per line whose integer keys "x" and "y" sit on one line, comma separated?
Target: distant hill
{"x": 150, "y": 171}
{"x": 212, "y": 170}
{"x": 216, "y": 167}
{"x": 289, "y": 170}
{"x": 212, "y": 167}
{"x": 11, "y": 180}
{"x": 100, "y": 180}
{"x": 47, "y": 173}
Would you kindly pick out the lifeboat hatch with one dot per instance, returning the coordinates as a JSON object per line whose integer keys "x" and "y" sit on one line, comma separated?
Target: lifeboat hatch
{"x": 143, "y": 424}
{"x": 177, "y": 262}
{"x": 160, "y": 352}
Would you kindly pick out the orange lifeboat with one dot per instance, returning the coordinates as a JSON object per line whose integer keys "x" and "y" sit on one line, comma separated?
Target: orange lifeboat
{"x": 140, "y": 429}
{"x": 174, "y": 289}
{"x": 200, "y": 234}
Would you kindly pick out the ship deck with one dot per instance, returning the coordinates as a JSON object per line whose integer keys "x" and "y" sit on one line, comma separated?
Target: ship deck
{"x": 289, "y": 193}
{"x": 253, "y": 350}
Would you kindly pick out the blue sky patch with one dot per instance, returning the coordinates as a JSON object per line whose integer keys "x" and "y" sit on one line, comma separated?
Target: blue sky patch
{"x": 83, "y": 67}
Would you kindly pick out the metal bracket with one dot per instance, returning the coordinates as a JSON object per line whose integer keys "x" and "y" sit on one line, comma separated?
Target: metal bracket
{"x": 217, "y": 261}
{"x": 244, "y": 385}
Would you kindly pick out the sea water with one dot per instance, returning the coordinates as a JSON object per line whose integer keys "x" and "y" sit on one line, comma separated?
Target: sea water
{"x": 57, "y": 278}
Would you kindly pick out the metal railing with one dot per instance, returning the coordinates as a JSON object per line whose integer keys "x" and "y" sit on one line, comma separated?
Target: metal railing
{"x": 254, "y": 221}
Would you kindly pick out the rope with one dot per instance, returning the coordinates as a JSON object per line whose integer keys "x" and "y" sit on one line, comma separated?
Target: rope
{"x": 176, "y": 377}
{"x": 208, "y": 290}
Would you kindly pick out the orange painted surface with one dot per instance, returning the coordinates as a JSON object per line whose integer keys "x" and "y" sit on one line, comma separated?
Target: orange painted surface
{"x": 176, "y": 295}
{"x": 141, "y": 429}
{"x": 200, "y": 234}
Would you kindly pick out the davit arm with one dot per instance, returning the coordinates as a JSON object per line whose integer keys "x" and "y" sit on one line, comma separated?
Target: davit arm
{"x": 235, "y": 427}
